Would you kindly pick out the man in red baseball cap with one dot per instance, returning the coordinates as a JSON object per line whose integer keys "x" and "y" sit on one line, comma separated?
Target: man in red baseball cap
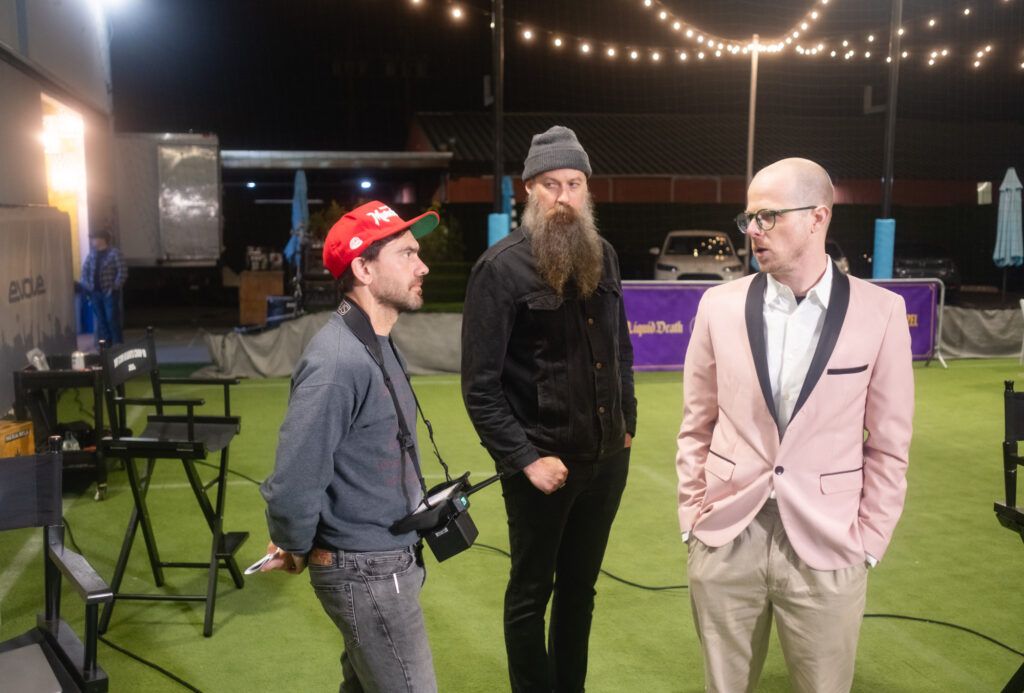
{"x": 346, "y": 469}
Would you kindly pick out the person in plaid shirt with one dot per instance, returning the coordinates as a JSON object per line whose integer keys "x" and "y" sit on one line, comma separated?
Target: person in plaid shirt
{"x": 103, "y": 275}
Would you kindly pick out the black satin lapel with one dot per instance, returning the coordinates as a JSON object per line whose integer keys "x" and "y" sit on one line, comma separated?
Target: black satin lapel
{"x": 755, "y": 334}
{"x": 838, "y": 302}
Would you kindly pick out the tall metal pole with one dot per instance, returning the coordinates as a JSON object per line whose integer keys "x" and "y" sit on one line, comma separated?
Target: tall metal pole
{"x": 751, "y": 118}
{"x": 890, "y": 114}
{"x": 498, "y": 61}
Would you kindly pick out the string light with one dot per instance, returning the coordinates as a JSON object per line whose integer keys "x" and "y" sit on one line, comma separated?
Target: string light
{"x": 716, "y": 45}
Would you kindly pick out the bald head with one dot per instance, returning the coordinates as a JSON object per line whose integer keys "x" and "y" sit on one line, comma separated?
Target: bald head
{"x": 797, "y": 182}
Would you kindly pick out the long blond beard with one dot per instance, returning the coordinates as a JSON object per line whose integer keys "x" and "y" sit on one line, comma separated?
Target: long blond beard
{"x": 566, "y": 245}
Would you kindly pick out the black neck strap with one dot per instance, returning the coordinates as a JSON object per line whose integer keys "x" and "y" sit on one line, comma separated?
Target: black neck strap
{"x": 358, "y": 323}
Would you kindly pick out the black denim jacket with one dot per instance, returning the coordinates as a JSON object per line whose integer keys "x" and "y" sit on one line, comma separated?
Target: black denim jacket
{"x": 544, "y": 374}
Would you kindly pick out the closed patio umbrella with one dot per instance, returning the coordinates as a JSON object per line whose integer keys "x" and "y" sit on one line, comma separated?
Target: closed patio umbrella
{"x": 300, "y": 215}
{"x": 1009, "y": 249}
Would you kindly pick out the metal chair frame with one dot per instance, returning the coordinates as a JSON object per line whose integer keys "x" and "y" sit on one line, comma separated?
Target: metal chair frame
{"x": 124, "y": 363}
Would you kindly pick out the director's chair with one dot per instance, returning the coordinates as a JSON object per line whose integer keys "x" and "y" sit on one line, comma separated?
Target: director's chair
{"x": 50, "y": 656}
{"x": 1009, "y": 514}
{"x": 185, "y": 437}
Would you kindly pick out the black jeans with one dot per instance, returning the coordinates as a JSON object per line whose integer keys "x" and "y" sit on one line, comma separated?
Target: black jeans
{"x": 557, "y": 544}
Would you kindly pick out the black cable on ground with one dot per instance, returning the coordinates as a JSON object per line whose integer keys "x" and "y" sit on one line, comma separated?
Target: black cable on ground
{"x": 624, "y": 581}
{"x": 230, "y": 471}
{"x": 71, "y": 537}
{"x": 74, "y": 545}
{"x": 965, "y": 629}
{"x": 899, "y": 617}
{"x": 151, "y": 665}
{"x": 612, "y": 576}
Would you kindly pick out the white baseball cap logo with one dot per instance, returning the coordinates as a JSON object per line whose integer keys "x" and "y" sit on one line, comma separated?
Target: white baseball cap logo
{"x": 382, "y": 214}
{"x": 355, "y": 243}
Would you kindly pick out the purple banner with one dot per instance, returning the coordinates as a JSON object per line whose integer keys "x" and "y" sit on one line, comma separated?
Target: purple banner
{"x": 660, "y": 317}
{"x": 922, "y": 299}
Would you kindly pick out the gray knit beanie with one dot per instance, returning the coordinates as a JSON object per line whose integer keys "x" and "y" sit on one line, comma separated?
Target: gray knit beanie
{"x": 554, "y": 149}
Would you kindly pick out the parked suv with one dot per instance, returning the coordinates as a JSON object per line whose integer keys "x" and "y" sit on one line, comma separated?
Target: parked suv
{"x": 921, "y": 261}
{"x": 697, "y": 255}
{"x": 837, "y": 254}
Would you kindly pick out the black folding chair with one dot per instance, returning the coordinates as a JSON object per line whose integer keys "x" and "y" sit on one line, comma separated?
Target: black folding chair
{"x": 50, "y": 656}
{"x": 1009, "y": 515}
{"x": 186, "y": 437}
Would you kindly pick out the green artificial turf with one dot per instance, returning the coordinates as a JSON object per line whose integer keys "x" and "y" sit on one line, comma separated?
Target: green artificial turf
{"x": 950, "y": 561}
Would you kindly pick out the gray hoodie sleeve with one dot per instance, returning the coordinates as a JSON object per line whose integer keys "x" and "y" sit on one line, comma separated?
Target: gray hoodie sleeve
{"x": 319, "y": 415}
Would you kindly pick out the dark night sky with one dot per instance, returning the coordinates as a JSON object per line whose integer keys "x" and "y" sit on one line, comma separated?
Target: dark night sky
{"x": 350, "y": 74}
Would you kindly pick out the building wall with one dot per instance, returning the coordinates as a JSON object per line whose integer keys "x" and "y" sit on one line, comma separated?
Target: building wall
{"x": 721, "y": 189}
{"x": 22, "y": 168}
{"x": 9, "y": 24}
{"x": 69, "y": 40}
{"x": 59, "y": 48}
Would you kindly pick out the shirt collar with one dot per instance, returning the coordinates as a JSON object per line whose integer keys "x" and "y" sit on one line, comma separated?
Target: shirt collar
{"x": 820, "y": 292}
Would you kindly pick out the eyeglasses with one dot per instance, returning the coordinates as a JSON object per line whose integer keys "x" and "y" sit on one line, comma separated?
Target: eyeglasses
{"x": 765, "y": 218}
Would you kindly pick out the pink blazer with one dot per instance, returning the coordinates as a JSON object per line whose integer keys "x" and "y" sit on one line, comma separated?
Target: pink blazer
{"x": 840, "y": 470}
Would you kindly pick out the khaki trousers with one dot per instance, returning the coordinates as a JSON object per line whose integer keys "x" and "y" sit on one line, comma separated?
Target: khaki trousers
{"x": 736, "y": 590}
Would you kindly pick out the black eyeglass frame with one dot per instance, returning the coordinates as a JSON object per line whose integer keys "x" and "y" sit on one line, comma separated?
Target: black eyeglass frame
{"x": 743, "y": 219}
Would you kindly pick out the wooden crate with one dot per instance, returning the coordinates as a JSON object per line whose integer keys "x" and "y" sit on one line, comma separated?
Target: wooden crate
{"x": 252, "y": 295}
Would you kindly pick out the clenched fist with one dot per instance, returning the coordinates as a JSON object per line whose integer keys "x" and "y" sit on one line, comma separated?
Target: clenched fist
{"x": 548, "y": 474}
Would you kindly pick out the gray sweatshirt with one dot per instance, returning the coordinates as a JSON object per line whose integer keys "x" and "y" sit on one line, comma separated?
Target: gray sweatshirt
{"x": 339, "y": 478}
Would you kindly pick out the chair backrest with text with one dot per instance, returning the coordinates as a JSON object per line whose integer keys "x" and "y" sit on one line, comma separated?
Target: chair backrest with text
{"x": 123, "y": 363}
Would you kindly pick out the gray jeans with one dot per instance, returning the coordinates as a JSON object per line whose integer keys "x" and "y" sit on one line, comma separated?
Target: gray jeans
{"x": 373, "y": 598}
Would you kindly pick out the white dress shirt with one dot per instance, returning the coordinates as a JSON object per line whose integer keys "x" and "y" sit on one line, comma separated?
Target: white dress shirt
{"x": 791, "y": 333}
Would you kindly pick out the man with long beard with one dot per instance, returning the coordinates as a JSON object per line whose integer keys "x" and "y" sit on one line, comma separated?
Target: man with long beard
{"x": 547, "y": 378}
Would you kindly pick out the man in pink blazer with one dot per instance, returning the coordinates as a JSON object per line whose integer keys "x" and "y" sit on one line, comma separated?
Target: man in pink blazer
{"x": 799, "y": 398}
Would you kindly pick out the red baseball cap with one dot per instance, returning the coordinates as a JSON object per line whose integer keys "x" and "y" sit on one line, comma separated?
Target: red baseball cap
{"x": 355, "y": 231}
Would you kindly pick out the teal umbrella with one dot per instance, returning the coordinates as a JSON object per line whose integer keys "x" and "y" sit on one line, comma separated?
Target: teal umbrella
{"x": 300, "y": 215}
{"x": 1009, "y": 250}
